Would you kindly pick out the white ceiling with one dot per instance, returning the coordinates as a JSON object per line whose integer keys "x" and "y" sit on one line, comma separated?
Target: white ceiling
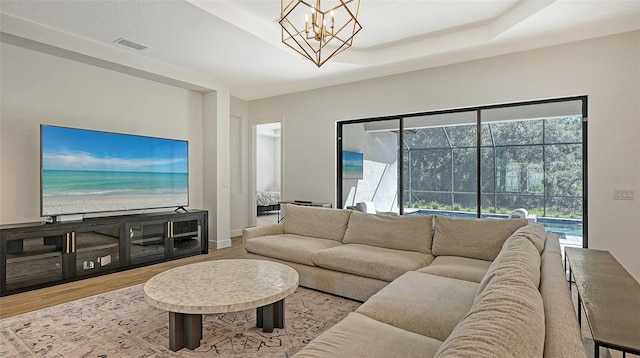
{"x": 237, "y": 43}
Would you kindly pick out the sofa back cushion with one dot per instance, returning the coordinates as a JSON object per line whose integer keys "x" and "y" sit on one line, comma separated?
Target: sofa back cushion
{"x": 563, "y": 338}
{"x": 535, "y": 233}
{"x": 311, "y": 221}
{"x": 506, "y": 321}
{"x": 409, "y": 233}
{"x": 517, "y": 257}
{"x": 473, "y": 238}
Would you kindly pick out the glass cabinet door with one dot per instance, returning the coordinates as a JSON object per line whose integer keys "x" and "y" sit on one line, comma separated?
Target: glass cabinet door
{"x": 186, "y": 236}
{"x": 34, "y": 261}
{"x": 147, "y": 240}
{"x": 95, "y": 250}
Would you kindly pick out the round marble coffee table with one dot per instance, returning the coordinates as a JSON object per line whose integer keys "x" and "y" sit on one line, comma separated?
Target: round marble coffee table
{"x": 219, "y": 286}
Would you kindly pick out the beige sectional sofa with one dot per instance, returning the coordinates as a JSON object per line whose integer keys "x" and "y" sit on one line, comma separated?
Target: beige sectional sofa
{"x": 432, "y": 286}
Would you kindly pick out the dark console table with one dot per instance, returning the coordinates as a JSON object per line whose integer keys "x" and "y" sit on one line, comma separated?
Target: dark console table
{"x": 36, "y": 255}
{"x": 610, "y": 297}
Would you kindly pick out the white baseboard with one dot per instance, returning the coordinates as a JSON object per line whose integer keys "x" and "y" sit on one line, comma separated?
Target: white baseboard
{"x": 235, "y": 233}
{"x": 220, "y": 244}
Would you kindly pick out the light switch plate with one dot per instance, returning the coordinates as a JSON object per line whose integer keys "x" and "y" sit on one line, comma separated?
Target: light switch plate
{"x": 623, "y": 194}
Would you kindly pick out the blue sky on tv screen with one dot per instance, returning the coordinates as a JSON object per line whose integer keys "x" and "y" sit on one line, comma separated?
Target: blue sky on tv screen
{"x": 78, "y": 149}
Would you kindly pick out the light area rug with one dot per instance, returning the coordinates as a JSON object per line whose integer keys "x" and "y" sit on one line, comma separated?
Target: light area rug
{"x": 121, "y": 324}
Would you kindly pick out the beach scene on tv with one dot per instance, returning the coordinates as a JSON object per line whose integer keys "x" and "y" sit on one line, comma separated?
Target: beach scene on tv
{"x": 87, "y": 171}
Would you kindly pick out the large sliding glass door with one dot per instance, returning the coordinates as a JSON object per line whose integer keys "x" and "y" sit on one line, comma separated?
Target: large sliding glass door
{"x": 440, "y": 163}
{"x": 513, "y": 155}
{"x": 537, "y": 150}
{"x": 525, "y": 159}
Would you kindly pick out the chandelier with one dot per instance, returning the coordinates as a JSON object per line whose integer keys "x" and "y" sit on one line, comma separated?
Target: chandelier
{"x": 319, "y": 33}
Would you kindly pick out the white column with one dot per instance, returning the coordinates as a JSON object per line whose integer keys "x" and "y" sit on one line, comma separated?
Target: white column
{"x": 216, "y": 166}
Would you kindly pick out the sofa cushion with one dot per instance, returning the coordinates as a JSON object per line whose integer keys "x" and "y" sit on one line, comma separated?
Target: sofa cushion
{"x": 506, "y": 321}
{"x": 256, "y": 231}
{"x": 421, "y": 303}
{"x": 479, "y": 239}
{"x": 410, "y": 233}
{"x": 311, "y": 221}
{"x": 289, "y": 247}
{"x": 518, "y": 256}
{"x": 462, "y": 268}
{"x": 535, "y": 233}
{"x": 370, "y": 261}
{"x": 563, "y": 338}
{"x": 360, "y": 336}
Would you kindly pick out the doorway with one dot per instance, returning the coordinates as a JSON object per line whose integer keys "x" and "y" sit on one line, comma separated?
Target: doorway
{"x": 268, "y": 169}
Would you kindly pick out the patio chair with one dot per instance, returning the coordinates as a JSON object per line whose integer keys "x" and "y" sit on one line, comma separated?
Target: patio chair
{"x": 366, "y": 207}
{"x": 522, "y": 213}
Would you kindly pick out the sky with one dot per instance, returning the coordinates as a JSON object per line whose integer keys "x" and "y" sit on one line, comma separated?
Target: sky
{"x": 79, "y": 149}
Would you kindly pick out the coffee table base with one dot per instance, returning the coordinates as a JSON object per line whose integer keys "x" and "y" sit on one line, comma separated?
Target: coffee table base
{"x": 185, "y": 330}
{"x": 270, "y": 316}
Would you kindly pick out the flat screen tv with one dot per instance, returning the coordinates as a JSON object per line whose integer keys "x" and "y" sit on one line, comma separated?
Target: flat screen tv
{"x": 352, "y": 165}
{"x": 86, "y": 171}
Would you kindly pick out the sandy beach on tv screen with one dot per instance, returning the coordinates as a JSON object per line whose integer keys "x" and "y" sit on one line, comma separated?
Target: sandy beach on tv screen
{"x": 78, "y": 204}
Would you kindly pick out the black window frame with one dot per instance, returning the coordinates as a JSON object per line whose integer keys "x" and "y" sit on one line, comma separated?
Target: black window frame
{"x": 478, "y": 110}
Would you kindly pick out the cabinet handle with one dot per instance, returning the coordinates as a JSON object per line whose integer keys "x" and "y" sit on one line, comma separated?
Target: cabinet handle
{"x": 172, "y": 229}
{"x": 68, "y": 244}
{"x": 131, "y": 233}
{"x": 73, "y": 241}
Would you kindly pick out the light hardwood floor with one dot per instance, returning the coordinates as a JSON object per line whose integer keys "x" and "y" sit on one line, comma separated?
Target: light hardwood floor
{"x": 34, "y": 300}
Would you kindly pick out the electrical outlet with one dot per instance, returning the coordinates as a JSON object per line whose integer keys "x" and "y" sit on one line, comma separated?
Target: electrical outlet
{"x": 623, "y": 194}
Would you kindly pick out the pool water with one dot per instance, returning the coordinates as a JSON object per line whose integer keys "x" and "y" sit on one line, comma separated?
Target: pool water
{"x": 568, "y": 227}
{"x": 563, "y": 226}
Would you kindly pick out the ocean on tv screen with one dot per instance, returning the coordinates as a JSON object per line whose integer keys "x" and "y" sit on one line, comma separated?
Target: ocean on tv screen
{"x": 87, "y": 171}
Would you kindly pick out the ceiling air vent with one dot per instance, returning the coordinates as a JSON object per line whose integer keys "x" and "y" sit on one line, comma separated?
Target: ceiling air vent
{"x": 129, "y": 43}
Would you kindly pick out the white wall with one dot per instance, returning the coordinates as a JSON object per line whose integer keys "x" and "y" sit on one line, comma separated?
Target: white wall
{"x": 268, "y": 169}
{"x": 240, "y": 193}
{"x": 605, "y": 69}
{"x": 39, "y": 88}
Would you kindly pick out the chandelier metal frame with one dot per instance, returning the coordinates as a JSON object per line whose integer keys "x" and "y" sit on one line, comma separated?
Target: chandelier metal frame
{"x": 316, "y": 39}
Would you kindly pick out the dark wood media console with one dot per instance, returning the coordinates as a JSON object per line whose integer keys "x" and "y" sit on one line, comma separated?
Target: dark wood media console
{"x": 37, "y": 255}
